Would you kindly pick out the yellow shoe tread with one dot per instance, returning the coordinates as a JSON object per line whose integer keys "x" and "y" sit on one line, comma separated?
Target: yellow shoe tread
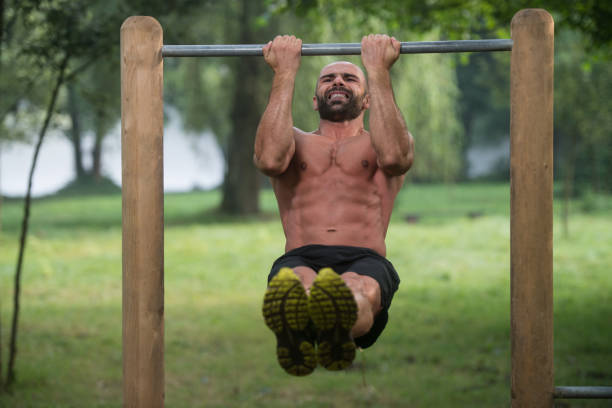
{"x": 333, "y": 310}
{"x": 285, "y": 311}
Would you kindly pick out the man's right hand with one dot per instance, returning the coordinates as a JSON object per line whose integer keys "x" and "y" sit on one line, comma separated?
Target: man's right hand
{"x": 283, "y": 54}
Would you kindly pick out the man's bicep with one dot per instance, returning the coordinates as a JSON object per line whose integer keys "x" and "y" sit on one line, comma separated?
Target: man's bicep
{"x": 275, "y": 154}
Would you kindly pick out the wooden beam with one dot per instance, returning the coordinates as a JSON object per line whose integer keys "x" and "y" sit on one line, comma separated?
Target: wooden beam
{"x": 143, "y": 207}
{"x": 531, "y": 225}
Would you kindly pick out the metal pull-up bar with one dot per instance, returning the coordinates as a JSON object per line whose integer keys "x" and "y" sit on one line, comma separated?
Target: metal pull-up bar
{"x": 586, "y": 392}
{"x": 416, "y": 47}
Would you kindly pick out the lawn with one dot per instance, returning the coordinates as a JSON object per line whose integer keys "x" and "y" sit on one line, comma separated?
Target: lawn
{"x": 447, "y": 343}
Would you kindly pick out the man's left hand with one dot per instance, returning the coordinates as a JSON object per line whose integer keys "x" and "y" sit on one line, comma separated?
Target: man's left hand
{"x": 379, "y": 52}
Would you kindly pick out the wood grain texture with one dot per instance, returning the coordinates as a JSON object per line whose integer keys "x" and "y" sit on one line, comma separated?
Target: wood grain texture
{"x": 143, "y": 223}
{"x": 531, "y": 180}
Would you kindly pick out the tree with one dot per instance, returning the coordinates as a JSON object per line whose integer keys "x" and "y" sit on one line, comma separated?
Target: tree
{"x": 92, "y": 106}
{"x": 241, "y": 186}
{"x": 583, "y": 96}
{"x": 484, "y": 103}
{"x": 227, "y": 95}
{"x": 58, "y": 62}
{"x": 56, "y": 39}
{"x": 75, "y": 129}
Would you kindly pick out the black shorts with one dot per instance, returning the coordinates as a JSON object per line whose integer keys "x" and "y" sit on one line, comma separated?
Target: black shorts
{"x": 362, "y": 261}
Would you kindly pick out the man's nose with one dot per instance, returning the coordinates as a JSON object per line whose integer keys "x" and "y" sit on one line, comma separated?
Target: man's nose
{"x": 338, "y": 81}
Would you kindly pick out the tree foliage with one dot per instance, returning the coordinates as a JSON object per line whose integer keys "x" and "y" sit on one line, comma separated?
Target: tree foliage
{"x": 37, "y": 34}
{"x": 583, "y": 125}
{"x": 462, "y": 19}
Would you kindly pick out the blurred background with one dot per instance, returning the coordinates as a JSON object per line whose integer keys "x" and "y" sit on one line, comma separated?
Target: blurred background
{"x": 456, "y": 106}
{"x": 60, "y": 105}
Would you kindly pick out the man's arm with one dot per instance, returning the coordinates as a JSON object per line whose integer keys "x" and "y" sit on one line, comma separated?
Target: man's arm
{"x": 392, "y": 142}
{"x": 274, "y": 141}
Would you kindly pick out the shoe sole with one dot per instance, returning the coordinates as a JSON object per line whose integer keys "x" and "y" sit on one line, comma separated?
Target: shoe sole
{"x": 333, "y": 310}
{"x": 285, "y": 311}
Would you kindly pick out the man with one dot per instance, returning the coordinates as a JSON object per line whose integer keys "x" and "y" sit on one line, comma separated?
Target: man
{"x": 335, "y": 189}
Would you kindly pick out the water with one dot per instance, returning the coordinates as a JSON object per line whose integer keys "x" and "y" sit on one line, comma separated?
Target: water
{"x": 482, "y": 160}
{"x": 191, "y": 161}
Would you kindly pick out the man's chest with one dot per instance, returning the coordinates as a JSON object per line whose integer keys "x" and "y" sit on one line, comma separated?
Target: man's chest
{"x": 353, "y": 157}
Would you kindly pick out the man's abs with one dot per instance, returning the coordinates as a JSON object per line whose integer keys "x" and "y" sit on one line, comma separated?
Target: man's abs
{"x": 334, "y": 209}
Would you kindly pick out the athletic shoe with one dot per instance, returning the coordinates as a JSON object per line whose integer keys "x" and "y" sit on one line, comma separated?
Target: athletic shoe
{"x": 285, "y": 310}
{"x": 333, "y": 311}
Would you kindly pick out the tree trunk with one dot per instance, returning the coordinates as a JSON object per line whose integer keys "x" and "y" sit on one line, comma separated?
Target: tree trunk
{"x": 1, "y": 20}
{"x": 468, "y": 120}
{"x": 10, "y": 377}
{"x": 568, "y": 179}
{"x": 96, "y": 155}
{"x": 75, "y": 131}
{"x": 596, "y": 170}
{"x": 1, "y": 24}
{"x": 241, "y": 185}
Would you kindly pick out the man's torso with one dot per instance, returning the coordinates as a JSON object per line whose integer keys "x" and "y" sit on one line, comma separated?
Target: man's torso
{"x": 334, "y": 193}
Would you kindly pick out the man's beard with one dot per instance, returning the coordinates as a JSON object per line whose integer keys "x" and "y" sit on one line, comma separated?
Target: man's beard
{"x": 349, "y": 110}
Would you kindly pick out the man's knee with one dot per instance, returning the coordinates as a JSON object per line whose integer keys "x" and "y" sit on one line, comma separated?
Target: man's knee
{"x": 306, "y": 275}
{"x": 367, "y": 286}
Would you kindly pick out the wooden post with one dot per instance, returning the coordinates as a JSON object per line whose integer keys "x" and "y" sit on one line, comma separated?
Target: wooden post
{"x": 531, "y": 191}
{"x": 143, "y": 207}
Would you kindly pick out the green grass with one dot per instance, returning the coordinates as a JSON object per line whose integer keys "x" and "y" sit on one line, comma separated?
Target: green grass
{"x": 447, "y": 343}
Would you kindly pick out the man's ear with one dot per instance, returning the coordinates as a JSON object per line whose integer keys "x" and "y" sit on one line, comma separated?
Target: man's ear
{"x": 366, "y": 101}
{"x": 315, "y": 104}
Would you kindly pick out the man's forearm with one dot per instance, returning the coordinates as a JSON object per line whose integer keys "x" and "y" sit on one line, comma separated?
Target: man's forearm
{"x": 274, "y": 142}
{"x": 390, "y": 137}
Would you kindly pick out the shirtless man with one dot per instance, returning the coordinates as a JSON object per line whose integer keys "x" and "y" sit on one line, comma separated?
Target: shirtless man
{"x": 335, "y": 189}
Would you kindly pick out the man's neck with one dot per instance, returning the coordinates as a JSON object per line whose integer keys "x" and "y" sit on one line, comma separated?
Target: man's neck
{"x": 341, "y": 130}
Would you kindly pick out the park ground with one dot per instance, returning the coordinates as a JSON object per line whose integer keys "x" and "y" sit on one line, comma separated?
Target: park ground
{"x": 447, "y": 343}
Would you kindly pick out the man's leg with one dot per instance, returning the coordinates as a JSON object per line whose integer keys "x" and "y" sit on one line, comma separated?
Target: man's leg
{"x": 365, "y": 289}
{"x": 358, "y": 297}
{"x": 333, "y": 310}
{"x": 367, "y": 296}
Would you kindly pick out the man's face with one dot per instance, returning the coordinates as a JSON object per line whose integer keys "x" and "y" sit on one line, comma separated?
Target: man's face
{"x": 341, "y": 92}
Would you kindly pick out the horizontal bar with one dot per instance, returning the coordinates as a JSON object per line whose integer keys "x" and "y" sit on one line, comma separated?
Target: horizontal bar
{"x": 422, "y": 47}
{"x": 583, "y": 392}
